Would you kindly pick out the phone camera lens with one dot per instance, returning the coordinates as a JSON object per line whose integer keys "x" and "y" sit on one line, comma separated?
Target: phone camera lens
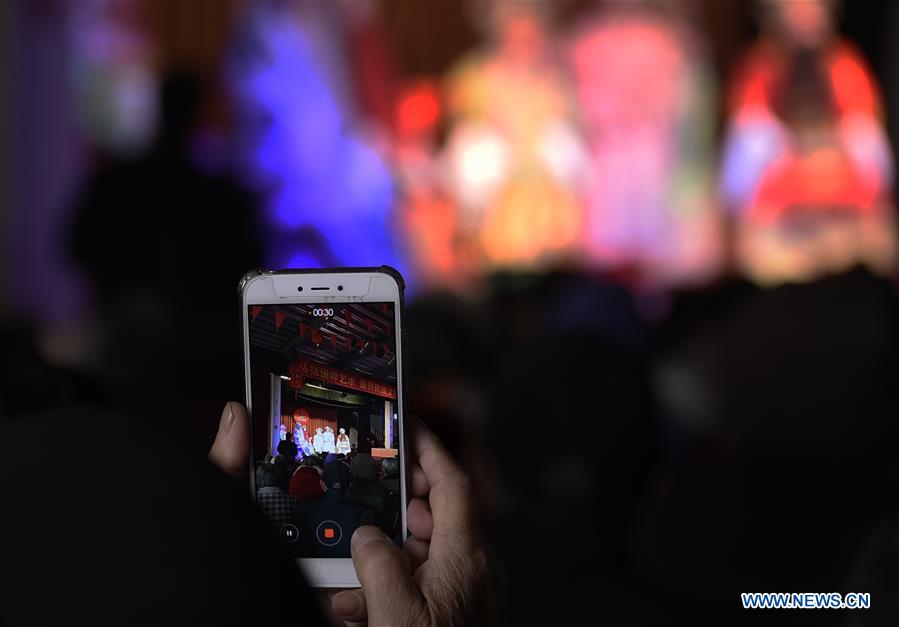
{"x": 339, "y": 288}
{"x": 300, "y": 288}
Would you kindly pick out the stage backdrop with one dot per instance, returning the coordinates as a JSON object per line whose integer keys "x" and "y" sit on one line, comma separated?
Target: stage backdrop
{"x": 315, "y": 417}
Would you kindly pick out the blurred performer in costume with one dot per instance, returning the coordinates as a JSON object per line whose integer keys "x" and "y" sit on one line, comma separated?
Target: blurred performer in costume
{"x": 807, "y": 168}
{"x": 513, "y": 159}
{"x": 434, "y": 243}
{"x": 343, "y": 442}
{"x": 646, "y": 99}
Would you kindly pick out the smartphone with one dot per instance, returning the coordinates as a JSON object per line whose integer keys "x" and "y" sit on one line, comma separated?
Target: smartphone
{"x": 324, "y": 389}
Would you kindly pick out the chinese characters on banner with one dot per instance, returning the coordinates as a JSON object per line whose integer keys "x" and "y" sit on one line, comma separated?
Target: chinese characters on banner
{"x": 303, "y": 368}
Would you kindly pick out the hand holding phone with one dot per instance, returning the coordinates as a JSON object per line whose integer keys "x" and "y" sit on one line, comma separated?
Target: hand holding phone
{"x": 449, "y": 574}
{"x": 457, "y": 578}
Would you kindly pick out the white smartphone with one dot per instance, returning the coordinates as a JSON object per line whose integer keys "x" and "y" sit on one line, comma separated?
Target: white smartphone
{"x": 323, "y": 357}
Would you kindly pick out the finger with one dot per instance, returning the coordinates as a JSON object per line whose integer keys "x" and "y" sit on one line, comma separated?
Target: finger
{"x": 349, "y": 606}
{"x": 419, "y": 519}
{"x": 391, "y": 596}
{"x": 324, "y": 602}
{"x": 450, "y": 495}
{"x": 231, "y": 449}
{"x": 418, "y": 482}
{"x": 417, "y": 552}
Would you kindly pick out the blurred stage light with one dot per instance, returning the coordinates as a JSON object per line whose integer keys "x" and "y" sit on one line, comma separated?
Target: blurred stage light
{"x": 317, "y": 173}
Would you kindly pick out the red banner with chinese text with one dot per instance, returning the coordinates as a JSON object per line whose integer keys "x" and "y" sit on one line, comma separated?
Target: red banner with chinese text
{"x": 301, "y": 370}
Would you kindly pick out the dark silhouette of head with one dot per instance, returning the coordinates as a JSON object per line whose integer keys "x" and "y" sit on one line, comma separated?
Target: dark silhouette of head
{"x": 390, "y": 467}
{"x": 268, "y": 476}
{"x": 336, "y": 476}
{"x": 180, "y": 98}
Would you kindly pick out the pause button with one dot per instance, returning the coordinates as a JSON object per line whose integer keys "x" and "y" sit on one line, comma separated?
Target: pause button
{"x": 289, "y": 533}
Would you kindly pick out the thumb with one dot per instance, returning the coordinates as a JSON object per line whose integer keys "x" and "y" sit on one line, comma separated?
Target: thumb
{"x": 391, "y": 595}
{"x": 231, "y": 449}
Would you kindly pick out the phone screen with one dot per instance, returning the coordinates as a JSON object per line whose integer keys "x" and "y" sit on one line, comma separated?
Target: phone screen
{"x": 326, "y": 447}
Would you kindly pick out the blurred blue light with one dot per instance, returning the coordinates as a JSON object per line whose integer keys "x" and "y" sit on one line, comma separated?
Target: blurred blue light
{"x": 319, "y": 175}
{"x": 304, "y": 260}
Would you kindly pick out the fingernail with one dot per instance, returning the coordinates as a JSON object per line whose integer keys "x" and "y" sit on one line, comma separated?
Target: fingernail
{"x": 346, "y": 603}
{"x": 364, "y": 535}
{"x": 227, "y": 419}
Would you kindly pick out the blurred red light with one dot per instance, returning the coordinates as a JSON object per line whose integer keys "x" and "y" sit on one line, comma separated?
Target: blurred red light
{"x": 419, "y": 109}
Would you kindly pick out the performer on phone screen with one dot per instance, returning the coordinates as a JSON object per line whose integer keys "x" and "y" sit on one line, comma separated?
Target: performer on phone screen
{"x": 318, "y": 441}
{"x": 299, "y": 438}
{"x": 343, "y": 442}
{"x": 280, "y": 435}
{"x": 328, "y": 440}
